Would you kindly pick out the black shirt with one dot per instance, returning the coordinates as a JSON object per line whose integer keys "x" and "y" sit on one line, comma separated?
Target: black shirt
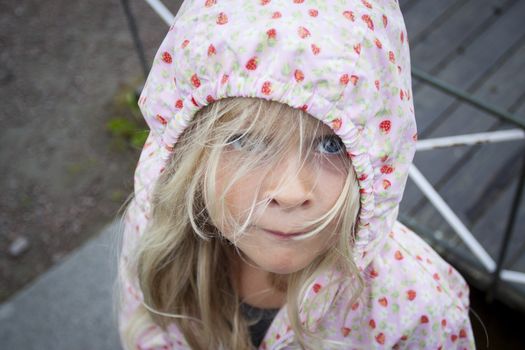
{"x": 264, "y": 319}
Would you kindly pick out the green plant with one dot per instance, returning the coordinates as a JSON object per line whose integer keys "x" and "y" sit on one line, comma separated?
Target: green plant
{"x": 139, "y": 139}
{"x": 121, "y": 127}
{"x": 127, "y": 128}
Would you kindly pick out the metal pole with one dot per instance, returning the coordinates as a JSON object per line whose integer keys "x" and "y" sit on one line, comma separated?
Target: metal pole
{"x": 162, "y": 10}
{"x": 135, "y": 34}
{"x": 462, "y": 95}
{"x": 470, "y": 139}
{"x": 508, "y": 233}
{"x": 451, "y": 218}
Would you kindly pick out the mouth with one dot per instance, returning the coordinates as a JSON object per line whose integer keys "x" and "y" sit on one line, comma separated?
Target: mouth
{"x": 283, "y": 235}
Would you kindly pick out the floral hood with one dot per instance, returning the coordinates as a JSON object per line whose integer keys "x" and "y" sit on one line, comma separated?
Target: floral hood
{"x": 344, "y": 62}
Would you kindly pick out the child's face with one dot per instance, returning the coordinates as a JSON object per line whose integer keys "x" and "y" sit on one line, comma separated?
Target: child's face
{"x": 295, "y": 194}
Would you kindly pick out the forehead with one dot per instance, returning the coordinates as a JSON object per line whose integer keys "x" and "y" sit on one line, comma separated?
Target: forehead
{"x": 275, "y": 119}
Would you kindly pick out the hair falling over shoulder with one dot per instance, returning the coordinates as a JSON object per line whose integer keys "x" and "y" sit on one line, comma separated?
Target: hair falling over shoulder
{"x": 183, "y": 263}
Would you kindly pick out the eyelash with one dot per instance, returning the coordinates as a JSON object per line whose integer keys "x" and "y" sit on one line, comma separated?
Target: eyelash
{"x": 236, "y": 142}
{"x": 335, "y": 141}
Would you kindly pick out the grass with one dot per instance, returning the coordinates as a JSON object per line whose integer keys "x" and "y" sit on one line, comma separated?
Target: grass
{"x": 127, "y": 126}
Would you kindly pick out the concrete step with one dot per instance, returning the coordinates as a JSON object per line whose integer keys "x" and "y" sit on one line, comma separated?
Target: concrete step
{"x": 70, "y": 306}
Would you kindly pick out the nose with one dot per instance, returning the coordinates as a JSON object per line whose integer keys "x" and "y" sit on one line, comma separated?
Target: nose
{"x": 290, "y": 184}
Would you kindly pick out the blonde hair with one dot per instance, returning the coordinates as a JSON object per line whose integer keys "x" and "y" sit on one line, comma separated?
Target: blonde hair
{"x": 183, "y": 262}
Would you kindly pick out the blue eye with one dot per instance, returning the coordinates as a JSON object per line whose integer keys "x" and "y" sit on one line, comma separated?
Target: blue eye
{"x": 242, "y": 142}
{"x": 237, "y": 141}
{"x": 330, "y": 145}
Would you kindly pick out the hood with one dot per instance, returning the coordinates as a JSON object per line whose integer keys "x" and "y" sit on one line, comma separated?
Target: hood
{"x": 346, "y": 63}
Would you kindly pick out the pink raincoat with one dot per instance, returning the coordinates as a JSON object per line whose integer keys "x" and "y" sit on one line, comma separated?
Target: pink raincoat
{"x": 346, "y": 63}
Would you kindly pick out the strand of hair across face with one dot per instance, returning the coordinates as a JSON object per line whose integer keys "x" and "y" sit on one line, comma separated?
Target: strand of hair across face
{"x": 160, "y": 313}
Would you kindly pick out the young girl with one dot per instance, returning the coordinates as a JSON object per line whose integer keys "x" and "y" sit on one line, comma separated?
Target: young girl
{"x": 267, "y": 193}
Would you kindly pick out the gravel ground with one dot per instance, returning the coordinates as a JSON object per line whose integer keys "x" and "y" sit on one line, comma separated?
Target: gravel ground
{"x": 61, "y": 65}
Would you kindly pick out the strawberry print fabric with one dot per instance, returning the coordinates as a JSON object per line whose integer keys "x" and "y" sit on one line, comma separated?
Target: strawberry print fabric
{"x": 346, "y": 63}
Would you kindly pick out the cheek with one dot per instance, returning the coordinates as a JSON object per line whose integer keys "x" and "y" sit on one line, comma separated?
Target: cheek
{"x": 331, "y": 183}
{"x": 237, "y": 201}
{"x": 240, "y": 195}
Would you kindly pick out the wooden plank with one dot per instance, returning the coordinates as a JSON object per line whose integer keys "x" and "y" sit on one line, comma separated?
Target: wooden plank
{"x": 490, "y": 162}
{"x": 489, "y": 226}
{"x": 431, "y": 104}
{"x": 517, "y": 245}
{"x": 466, "y": 70}
{"x": 451, "y": 169}
{"x": 474, "y": 194}
{"x": 441, "y": 43}
{"x": 420, "y": 15}
{"x": 405, "y": 5}
{"x": 493, "y": 224}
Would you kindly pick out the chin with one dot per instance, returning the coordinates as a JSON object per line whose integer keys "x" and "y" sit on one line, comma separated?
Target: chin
{"x": 281, "y": 265}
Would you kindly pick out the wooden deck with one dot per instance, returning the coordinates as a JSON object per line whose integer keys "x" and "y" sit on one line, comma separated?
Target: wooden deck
{"x": 477, "y": 46}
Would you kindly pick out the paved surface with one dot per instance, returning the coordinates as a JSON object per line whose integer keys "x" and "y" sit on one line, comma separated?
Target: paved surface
{"x": 69, "y": 307}
{"x": 61, "y": 62}
{"x": 64, "y": 66}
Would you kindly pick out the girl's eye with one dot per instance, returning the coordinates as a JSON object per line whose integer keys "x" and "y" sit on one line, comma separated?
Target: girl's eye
{"x": 242, "y": 142}
{"x": 237, "y": 141}
{"x": 330, "y": 145}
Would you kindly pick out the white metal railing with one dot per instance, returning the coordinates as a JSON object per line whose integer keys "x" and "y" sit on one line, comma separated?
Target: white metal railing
{"x": 444, "y": 209}
{"x": 470, "y": 139}
{"x": 452, "y": 219}
{"x": 162, "y": 11}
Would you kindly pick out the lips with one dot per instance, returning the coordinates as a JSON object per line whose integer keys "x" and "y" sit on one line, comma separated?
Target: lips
{"x": 283, "y": 235}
